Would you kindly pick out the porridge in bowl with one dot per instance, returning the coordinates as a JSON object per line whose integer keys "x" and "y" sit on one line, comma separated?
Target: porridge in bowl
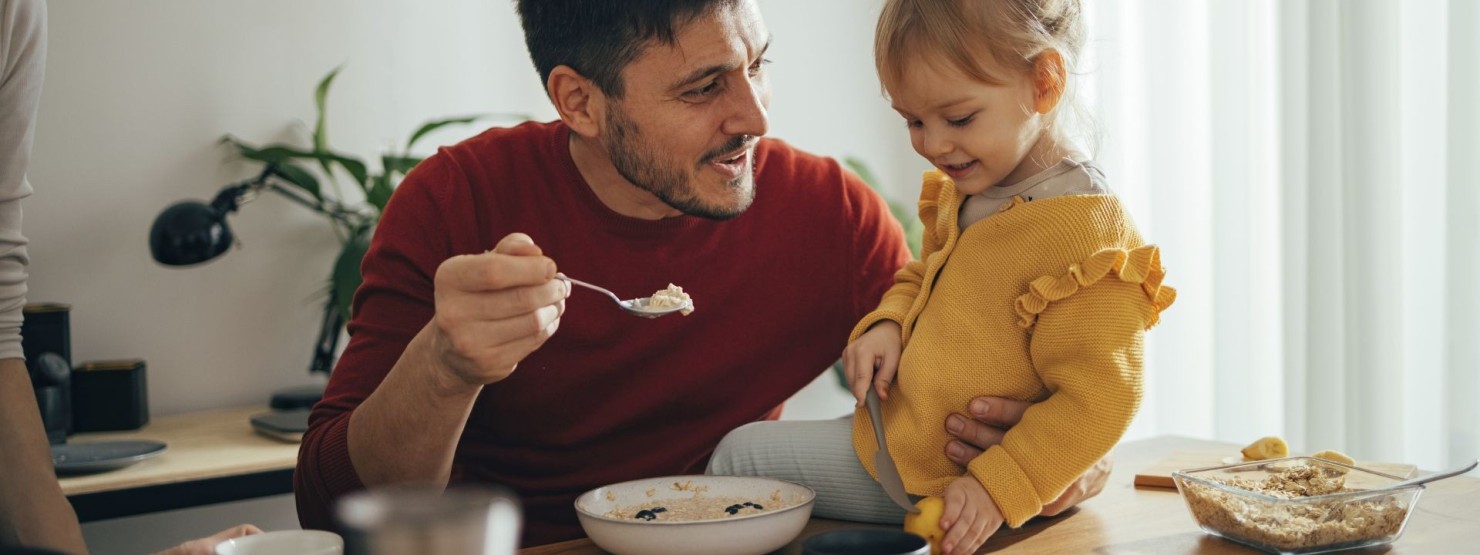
{"x": 698, "y": 507}
{"x": 714, "y": 515}
{"x": 1297, "y": 505}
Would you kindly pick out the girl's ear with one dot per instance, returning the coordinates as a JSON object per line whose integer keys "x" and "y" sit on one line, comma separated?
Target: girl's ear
{"x": 1048, "y": 80}
{"x": 578, "y": 100}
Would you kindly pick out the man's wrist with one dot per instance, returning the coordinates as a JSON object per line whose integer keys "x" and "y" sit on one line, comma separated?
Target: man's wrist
{"x": 444, "y": 382}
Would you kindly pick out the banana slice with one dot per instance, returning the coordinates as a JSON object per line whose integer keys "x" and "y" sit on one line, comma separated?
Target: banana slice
{"x": 1335, "y": 456}
{"x": 1269, "y": 447}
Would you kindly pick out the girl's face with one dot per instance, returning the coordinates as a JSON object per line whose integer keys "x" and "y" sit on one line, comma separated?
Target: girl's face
{"x": 979, "y": 134}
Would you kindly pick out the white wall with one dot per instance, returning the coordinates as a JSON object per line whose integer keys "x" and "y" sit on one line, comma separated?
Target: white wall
{"x": 138, "y": 92}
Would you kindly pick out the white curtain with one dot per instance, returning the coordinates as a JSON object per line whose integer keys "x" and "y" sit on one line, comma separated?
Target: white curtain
{"x": 1312, "y": 171}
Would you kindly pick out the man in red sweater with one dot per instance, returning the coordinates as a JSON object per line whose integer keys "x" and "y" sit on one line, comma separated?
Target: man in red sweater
{"x": 654, "y": 174}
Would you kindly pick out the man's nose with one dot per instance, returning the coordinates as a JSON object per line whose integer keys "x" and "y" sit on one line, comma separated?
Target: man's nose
{"x": 749, "y": 115}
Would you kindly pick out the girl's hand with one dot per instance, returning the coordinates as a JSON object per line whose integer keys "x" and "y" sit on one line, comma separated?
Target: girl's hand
{"x": 877, "y": 349}
{"x": 970, "y": 518}
{"x": 990, "y": 419}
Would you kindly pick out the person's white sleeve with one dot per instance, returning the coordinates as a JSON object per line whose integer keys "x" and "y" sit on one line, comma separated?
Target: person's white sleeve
{"x": 22, "y": 67}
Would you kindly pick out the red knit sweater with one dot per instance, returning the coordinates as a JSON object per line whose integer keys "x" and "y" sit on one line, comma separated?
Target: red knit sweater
{"x": 611, "y": 397}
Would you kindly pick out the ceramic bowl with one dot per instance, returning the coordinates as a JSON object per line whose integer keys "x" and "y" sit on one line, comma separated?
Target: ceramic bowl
{"x": 298, "y": 542}
{"x": 743, "y": 534}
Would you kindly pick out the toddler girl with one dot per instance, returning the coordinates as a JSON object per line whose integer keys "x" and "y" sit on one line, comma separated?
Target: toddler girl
{"x": 1033, "y": 284}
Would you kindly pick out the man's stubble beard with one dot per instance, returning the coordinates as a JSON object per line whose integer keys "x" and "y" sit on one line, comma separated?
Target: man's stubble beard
{"x": 637, "y": 162}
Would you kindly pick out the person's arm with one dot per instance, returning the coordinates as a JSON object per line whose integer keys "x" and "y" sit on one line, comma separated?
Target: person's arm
{"x": 901, "y": 296}
{"x": 1086, "y": 347}
{"x": 429, "y": 331}
{"x": 988, "y": 421}
{"x": 1094, "y": 373}
{"x": 879, "y": 251}
{"x": 33, "y": 511}
{"x": 492, "y": 311}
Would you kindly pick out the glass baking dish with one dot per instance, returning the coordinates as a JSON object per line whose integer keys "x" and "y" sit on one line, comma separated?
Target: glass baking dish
{"x": 1298, "y": 504}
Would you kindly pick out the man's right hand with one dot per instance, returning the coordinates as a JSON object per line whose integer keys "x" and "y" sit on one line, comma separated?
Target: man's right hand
{"x": 495, "y": 308}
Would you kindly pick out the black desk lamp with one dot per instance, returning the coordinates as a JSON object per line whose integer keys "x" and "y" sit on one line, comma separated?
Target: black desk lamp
{"x": 192, "y": 232}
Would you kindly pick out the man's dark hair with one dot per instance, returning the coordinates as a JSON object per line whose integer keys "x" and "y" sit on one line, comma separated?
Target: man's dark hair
{"x": 598, "y": 38}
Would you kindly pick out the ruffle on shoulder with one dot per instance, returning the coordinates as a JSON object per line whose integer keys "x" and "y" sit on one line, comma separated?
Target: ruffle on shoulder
{"x": 934, "y": 184}
{"x": 1139, "y": 265}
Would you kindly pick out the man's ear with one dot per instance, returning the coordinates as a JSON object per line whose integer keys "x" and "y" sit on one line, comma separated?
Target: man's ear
{"x": 1048, "y": 81}
{"x": 580, "y": 103}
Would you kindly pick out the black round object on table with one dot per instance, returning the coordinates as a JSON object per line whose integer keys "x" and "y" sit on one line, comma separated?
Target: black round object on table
{"x": 866, "y": 541}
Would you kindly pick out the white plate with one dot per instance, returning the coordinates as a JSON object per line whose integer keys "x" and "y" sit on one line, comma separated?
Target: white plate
{"x": 98, "y": 456}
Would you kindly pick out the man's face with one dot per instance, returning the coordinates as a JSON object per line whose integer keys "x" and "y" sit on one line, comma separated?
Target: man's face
{"x": 687, "y": 126}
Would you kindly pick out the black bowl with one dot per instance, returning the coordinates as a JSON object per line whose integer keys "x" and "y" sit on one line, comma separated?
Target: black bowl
{"x": 866, "y": 541}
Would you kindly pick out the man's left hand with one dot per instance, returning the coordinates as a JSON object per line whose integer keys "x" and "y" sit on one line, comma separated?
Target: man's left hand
{"x": 989, "y": 420}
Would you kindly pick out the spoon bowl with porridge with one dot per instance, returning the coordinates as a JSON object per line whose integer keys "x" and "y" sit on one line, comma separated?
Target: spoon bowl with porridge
{"x": 662, "y": 303}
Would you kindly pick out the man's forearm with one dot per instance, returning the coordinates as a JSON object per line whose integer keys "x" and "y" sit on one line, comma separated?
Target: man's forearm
{"x": 407, "y": 430}
{"x": 33, "y": 511}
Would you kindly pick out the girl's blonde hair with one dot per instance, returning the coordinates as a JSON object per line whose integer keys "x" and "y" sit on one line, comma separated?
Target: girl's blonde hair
{"x": 1011, "y": 34}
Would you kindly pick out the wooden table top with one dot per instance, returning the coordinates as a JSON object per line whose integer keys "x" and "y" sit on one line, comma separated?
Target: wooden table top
{"x": 199, "y": 446}
{"x": 1130, "y": 520}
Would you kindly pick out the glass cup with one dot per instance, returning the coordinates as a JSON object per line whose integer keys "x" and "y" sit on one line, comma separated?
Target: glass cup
{"x": 462, "y": 520}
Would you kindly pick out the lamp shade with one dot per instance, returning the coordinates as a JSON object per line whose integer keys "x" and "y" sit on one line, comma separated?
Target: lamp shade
{"x": 189, "y": 232}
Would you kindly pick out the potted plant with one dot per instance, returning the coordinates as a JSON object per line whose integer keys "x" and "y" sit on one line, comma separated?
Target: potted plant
{"x": 298, "y": 173}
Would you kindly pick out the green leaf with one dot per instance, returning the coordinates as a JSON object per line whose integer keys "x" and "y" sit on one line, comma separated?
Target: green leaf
{"x": 282, "y": 158}
{"x": 434, "y": 125}
{"x": 320, "y": 100}
{"x": 346, "y": 277}
{"x": 399, "y": 164}
{"x": 355, "y": 168}
{"x": 282, "y": 154}
{"x": 274, "y": 154}
{"x": 271, "y": 154}
{"x": 380, "y": 193}
{"x": 863, "y": 171}
{"x": 321, "y": 125}
{"x": 295, "y": 174}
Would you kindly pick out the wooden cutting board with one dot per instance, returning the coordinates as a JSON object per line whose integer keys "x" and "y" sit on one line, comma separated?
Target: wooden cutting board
{"x": 1159, "y": 475}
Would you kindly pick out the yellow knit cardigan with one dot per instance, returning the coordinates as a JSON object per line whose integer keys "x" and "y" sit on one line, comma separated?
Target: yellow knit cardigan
{"x": 1046, "y": 301}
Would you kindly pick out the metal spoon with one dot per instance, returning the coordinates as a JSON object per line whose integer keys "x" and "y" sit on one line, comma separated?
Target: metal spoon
{"x": 1337, "y": 514}
{"x": 1432, "y": 477}
{"x": 635, "y": 307}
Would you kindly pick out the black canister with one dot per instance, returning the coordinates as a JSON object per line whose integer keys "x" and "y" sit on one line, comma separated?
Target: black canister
{"x": 46, "y": 340}
{"x": 109, "y": 396}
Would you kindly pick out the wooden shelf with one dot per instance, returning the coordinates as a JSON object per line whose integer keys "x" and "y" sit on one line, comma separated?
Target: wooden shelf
{"x": 211, "y": 457}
